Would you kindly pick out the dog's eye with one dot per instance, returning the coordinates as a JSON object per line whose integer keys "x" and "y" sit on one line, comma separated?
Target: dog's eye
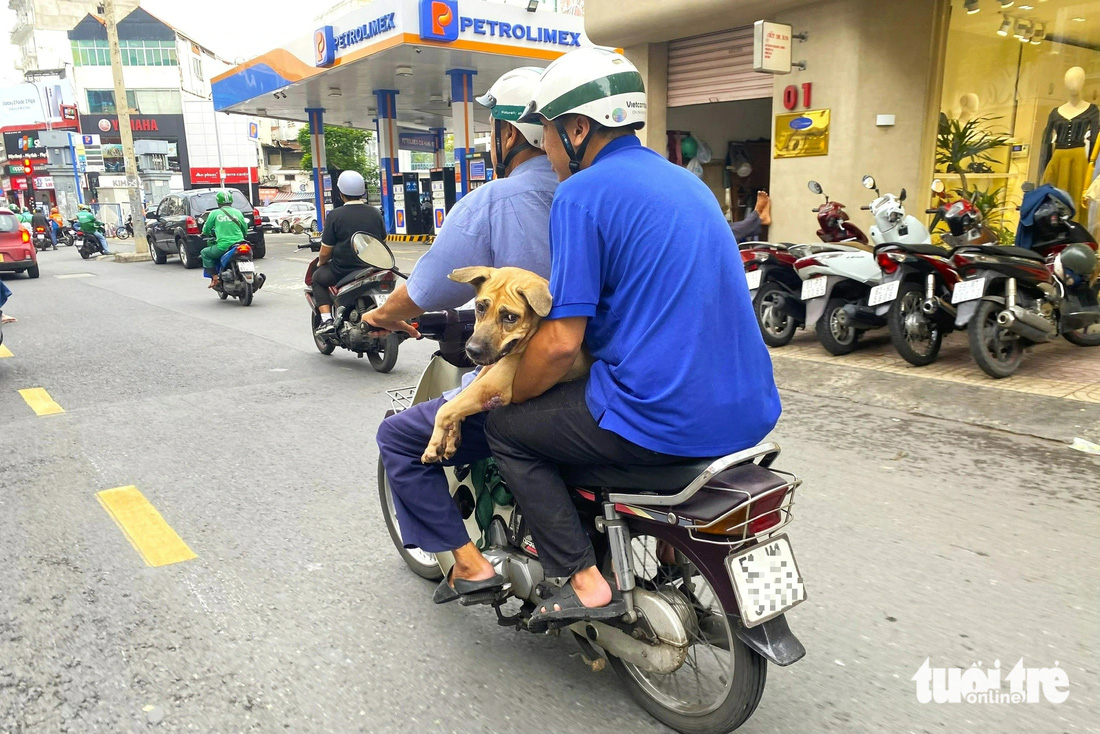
{"x": 509, "y": 318}
{"x": 479, "y": 308}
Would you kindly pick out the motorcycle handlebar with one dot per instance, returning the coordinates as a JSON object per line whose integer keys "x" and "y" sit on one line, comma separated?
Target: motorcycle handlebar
{"x": 437, "y": 325}
{"x": 931, "y": 211}
{"x": 816, "y": 209}
{"x": 866, "y": 207}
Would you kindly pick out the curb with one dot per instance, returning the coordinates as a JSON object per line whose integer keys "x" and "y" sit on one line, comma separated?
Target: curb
{"x": 132, "y": 257}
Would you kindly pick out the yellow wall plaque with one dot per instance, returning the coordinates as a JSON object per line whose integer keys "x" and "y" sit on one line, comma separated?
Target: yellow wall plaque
{"x": 802, "y": 134}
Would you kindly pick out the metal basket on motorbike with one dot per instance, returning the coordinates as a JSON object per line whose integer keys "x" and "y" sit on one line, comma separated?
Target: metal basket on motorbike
{"x": 401, "y": 398}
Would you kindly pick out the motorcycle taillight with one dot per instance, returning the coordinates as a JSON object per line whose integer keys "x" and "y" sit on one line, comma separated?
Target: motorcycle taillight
{"x": 747, "y": 255}
{"x": 806, "y": 262}
{"x": 888, "y": 261}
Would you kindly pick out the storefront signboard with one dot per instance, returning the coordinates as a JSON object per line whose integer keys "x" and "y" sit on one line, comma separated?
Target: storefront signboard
{"x": 771, "y": 47}
{"x": 802, "y": 134}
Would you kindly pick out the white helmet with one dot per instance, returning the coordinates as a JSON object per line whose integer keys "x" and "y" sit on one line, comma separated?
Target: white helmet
{"x": 351, "y": 184}
{"x": 595, "y": 82}
{"x": 506, "y": 100}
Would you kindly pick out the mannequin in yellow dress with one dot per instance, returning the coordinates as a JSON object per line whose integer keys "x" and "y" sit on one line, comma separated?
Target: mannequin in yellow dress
{"x": 1069, "y": 141}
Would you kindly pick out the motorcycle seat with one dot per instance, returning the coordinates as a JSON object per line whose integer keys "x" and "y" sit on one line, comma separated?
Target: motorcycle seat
{"x": 667, "y": 479}
{"x": 1005, "y": 251}
{"x": 354, "y": 276}
{"x": 917, "y": 249}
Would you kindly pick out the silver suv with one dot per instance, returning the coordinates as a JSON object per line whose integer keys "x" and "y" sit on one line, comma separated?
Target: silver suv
{"x": 278, "y": 216}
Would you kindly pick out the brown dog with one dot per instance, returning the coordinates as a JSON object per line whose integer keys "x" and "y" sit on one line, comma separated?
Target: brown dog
{"x": 510, "y": 305}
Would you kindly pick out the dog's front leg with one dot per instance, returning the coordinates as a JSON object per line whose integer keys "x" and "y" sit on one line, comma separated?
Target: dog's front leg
{"x": 491, "y": 389}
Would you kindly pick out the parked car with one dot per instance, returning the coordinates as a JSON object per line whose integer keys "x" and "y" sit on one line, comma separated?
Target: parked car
{"x": 175, "y": 228}
{"x": 277, "y": 217}
{"x": 17, "y": 253}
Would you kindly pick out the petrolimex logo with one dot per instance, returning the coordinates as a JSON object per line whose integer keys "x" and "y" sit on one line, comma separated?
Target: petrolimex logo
{"x": 439, "y": 20}
{"x": 324, "y": 47}
{"x": 326, "y": 42}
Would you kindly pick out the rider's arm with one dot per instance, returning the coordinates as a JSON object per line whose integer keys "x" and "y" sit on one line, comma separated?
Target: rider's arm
{"x": 208, "y": 226}
{"x": 328, "y": 241}
{"x": 552, "y": 351}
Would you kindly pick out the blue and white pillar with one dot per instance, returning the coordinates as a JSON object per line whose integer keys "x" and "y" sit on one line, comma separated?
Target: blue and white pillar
{"x": 440, "y": 146}
{"x": 462, "y": 107}
{"x": 320, "y": 164}
{"x": 387, "y": 152}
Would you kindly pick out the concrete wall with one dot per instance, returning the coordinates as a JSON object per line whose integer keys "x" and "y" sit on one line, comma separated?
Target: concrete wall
{"x": 636, "y": 22}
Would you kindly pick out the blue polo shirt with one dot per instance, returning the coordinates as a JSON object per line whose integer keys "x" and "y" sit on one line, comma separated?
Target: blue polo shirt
{"x": 639, "y": 246}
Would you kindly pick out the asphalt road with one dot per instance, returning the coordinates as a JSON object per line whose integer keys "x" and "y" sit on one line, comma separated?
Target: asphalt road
{"x": 918, "y": 537}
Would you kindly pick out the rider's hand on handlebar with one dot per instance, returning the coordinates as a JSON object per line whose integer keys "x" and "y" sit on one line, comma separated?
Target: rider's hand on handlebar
{"x": 382, "y": 327}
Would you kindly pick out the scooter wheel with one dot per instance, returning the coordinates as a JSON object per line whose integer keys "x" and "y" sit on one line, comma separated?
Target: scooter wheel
{"x": 837, "y": 338}
{"x": 915, "y": 335}
{"x": 996, "y": 349}
{"x": 324, "y": 346}
{"x": 777, "y": 326}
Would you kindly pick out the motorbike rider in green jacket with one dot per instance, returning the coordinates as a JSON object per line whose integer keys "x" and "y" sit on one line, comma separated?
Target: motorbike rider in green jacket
{"x": 228, "y": 227}
{"x": 92, "y": 227}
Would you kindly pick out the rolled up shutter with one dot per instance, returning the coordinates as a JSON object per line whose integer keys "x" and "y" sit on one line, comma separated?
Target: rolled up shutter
{"x": 716, "y": 67}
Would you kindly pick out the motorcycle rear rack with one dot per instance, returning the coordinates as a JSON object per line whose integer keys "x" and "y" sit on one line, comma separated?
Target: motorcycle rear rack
{"x": 401, "y": 398}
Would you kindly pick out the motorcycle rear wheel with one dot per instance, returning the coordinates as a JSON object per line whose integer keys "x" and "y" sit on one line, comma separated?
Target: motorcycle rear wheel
{"x": 420, "y": 562}
{"x": 246, "y": 296}
{"x": 1087, "y": 337}
{"x": 996, "y": 350}
{"x": 720, "y": 684}
{"x": 323, "y": 345}
{"x": 766, "y": 305}
{"x": 837, "y": 338}
{"x": 906, "y": 317}
{"x": 385, "y": 359}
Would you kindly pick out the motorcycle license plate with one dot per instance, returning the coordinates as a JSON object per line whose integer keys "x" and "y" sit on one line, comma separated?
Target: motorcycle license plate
{"x": 968, "y": 290}
{"x": 246, "y": 267}
{"x": 766, "y": 580}
{"x": 814, "y": 288}
{"x": 754, "y": 279}
{"x": 380, "y": 299}
{"x": 884, "y": 293}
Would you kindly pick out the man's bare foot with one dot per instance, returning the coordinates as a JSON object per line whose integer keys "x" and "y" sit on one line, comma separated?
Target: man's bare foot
{"x": 8, "y": 319}
{"x": 214, "y": 283}
{"x": 764, "y": 207}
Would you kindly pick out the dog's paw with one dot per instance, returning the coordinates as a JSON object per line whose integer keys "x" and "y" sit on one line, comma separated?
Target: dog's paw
{"x": 451, "y": 442}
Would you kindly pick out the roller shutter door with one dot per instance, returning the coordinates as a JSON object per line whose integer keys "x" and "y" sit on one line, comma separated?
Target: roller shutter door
{"x": 716, "y": 67}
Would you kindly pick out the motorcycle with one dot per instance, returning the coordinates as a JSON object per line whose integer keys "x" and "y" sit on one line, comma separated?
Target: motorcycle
{"x": 237, "y": 275}
{"x": 89, "y": 246}
{"x": 125, "y": 230}
{"x": 356, "y": 294}
{"x": 775, "y": 287}
{"x": 42, "y": 239}
{"x": 690, "y": 547}
{"x": 1011, "y": 297}
{"x": 918, "y": 276}
{"x": 71, "y": 234}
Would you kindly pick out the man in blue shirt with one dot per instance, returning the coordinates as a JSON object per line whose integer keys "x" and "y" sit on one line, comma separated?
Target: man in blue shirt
{"x": 503, "y": 223}
{"x": 645, "y": 272}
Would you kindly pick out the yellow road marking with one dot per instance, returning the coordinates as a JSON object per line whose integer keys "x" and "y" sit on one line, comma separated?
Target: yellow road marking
{"x": 5, "y": 352}
{"x": 40, "y": 401}
{"x": 144, "y": 527}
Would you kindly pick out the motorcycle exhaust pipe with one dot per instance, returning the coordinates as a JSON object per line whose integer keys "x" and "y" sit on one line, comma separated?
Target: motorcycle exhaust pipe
{"x": 1026, "y": 324}
{"x": 931, "y": 305}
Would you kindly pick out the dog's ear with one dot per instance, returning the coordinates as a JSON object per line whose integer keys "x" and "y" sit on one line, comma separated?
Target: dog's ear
{"x": 537, "y": 294}
{"x": 475, "y": 275}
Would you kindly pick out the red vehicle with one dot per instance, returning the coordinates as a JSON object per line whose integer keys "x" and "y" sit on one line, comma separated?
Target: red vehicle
{"x": 832, "y": 221}
{"x": 17, "y": 253}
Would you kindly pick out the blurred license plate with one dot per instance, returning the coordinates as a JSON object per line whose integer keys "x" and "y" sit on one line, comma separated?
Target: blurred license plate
{"x": 246, "y": 267}
{"x": 380, "y": 299}
{"x": 814, "y": 288}
{"x": 968, "y": 290}
{"x": 754, "y": 279}
{"x": 766, "y": 580}
{"x": 883, "y": 293}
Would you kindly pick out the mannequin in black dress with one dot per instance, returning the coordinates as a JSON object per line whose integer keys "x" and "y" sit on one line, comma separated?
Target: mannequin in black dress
{"x": 1069, "y": 141}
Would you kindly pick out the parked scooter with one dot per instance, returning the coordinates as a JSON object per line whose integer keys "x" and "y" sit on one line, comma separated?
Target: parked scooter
{"x": 237, "y": 274}
{"x": 1019, "y": 297}
{"x": 362, "y": 291}
{"x": 684, "y": 545}
{"x": 833, "y": 222}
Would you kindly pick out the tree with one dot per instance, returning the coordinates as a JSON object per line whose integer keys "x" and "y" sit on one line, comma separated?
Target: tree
{"x": 345, "y": 148}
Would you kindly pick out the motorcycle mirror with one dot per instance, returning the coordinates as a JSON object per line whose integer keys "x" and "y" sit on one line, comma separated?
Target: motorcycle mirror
{"x": 902, "y": 197}
{"x": 373, "y": 252}
{"x": 937, "y": 186}
{"x": 869, "y": 182}
{"x": 1027, "y": 186}
{"x": 815, "y": 187}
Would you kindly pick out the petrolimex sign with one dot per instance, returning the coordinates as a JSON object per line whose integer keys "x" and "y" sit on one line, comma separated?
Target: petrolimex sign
{"x": 327, "y": 43}
{"x": 441, "y": 21}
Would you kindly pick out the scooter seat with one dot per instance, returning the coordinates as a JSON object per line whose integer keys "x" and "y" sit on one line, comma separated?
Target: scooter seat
{"x": 917, "y": 249}
{"x": 354, "y": 276}
{"x": 667, "y": 479}
{"x": 1004, "y": 251}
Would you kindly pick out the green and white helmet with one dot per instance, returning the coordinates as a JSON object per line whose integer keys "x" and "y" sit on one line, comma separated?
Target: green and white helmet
{"x": 508, "y": 97}
{"x": 595, "y": 82}
{"x": 223, "y": 197}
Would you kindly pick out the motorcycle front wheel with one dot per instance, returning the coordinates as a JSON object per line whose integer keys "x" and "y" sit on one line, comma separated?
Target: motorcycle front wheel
{"x": 915, "y": 335}
{"x": 721, "y": 682}
{"x": 996, "y": 349}
{"x": 420, "y": 562}
{"x": 1087, "y": 337}
{"x": 385, "y": 359}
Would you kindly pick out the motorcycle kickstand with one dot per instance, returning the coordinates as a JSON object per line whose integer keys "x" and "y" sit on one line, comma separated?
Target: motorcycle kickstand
{"x": 516, "y": 620}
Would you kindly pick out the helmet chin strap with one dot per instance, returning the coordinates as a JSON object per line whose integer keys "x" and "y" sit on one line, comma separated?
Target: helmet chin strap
{"x": 504, "y": 160}
{"x": 575, "y": 155}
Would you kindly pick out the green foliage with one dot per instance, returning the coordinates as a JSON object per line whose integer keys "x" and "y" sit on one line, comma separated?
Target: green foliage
{"x": 345, "y": 148}
{"x": 958, "y": 145}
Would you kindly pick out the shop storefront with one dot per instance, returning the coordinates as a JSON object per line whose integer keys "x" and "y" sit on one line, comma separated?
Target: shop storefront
{"x": 1023, "y": 83}
{"x": 169, "y": 128}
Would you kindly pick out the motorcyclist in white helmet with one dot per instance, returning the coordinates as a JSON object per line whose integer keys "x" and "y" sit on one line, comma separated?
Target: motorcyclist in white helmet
{"x": 645, "y": 273}
{"x": 503, "y": 223}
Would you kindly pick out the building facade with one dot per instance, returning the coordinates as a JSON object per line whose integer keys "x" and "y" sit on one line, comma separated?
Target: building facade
{"x": 41, "y": 29}
{"x": 893, "y": 79}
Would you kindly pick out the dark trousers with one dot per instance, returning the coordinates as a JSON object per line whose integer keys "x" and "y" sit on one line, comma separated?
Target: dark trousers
{"x": 530, "y": 441}
{"x": 428, "y": 517}
{"x": 324, "y": 278}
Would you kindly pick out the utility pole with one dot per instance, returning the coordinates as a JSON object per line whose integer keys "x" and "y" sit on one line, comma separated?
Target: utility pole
{"x": 122, "y": 107}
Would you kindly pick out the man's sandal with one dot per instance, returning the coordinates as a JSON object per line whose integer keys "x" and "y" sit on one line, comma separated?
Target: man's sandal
{"x": 571, "y": 609}
{"x": 471, "y": 592}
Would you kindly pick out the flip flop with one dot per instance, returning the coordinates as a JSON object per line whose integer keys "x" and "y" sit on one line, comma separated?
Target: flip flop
{"x": 573, "y": 610}
{"x": 471, "y": 592}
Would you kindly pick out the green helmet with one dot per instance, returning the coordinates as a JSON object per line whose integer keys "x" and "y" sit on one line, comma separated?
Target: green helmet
{"x": 1075, "y": 262}
{"x": 223, "y": 197}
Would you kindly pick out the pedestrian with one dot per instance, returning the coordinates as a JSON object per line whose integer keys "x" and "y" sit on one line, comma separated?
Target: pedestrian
{"x": 5, "y": 293}
{"x": 749, "y": 228}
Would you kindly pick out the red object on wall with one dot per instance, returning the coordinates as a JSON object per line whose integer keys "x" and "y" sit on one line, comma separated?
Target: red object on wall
{"x": 238, "y": 175}
{"x": 807, "y": 87}
{"x": 790, "y": 97}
